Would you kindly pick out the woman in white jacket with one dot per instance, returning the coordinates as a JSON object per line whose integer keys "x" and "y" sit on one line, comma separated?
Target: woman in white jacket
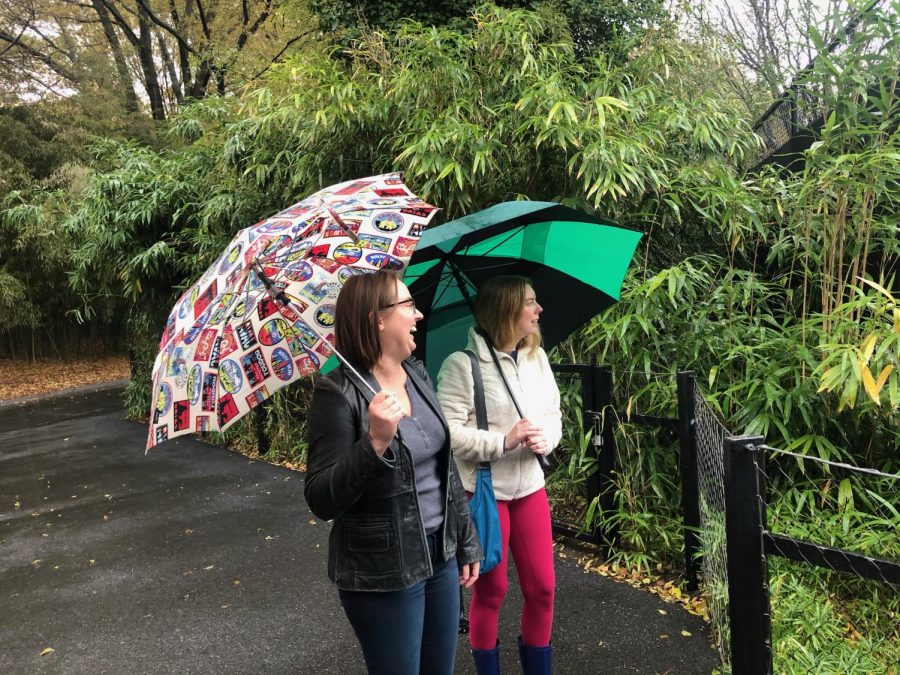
{"x": 507, "y": 312}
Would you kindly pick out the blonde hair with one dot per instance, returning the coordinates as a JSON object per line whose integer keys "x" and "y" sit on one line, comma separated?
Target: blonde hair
{"x": 497, "y": 308}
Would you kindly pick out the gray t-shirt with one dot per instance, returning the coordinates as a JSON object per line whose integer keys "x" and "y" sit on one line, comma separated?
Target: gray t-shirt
{"x": 424, "y": 436}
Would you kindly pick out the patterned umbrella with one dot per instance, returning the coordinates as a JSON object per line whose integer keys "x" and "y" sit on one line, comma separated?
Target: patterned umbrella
{"x": 260, "y": 317}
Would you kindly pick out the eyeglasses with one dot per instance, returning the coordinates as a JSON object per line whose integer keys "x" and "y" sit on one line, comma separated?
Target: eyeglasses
{"x": 409, "y": 301}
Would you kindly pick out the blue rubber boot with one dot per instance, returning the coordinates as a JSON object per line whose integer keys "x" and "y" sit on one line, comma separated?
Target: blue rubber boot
{"x": 487, "y": 661}
{"x": 536, "y": 660}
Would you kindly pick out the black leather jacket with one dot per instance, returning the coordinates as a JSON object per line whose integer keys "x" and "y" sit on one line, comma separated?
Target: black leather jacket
{"x": 377, "y": 541}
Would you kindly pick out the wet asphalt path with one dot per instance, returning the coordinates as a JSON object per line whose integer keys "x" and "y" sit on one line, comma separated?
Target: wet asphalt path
{"x": 194, "y": 559}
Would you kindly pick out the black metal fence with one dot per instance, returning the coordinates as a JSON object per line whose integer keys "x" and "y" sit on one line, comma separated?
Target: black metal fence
{"x": 751, "y": 542}
{"x": 727, "y": 538}
{"x": 600, "y": 417}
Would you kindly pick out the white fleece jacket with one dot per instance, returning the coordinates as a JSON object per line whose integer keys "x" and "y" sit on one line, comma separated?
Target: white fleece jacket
{"x": 516, "y": 473}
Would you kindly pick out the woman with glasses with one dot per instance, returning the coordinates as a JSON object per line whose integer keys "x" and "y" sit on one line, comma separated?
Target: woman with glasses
{"x": 402, "y": 541}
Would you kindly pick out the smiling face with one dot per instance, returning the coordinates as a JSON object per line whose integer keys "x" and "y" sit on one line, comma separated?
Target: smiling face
{"x": 528, "y": 321}
{"x": 397, "y": 326}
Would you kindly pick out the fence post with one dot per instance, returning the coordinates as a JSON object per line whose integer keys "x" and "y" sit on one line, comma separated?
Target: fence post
{"x": 600, "y": 484}
{"x": 748, "y": 571}
{"x": 687, "y": 466}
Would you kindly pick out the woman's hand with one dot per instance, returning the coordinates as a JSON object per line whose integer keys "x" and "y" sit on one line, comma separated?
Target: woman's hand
{"x": 519, "y": 433}
{"x": 538, "y": 444}
{"x": 385, "y": 414}
{"x": 468, "y": 575}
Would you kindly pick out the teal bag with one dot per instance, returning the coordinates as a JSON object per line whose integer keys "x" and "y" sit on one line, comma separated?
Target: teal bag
{"x": 483, "y": 503}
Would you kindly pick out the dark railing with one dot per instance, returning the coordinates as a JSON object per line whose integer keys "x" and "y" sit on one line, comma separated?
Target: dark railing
{"x": 795, "y": 118}
{"x": 749, "y": 543}
{"x": 600, "y": 419}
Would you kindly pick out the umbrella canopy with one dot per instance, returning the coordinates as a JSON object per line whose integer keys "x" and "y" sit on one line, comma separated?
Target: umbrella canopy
{"x": 576, "y": 263}
{"x": 260, "y": 317}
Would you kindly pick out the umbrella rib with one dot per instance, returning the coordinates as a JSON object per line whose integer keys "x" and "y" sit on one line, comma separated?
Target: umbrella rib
{"x": 447, "y": 275}
{"x": 509, "y": 236}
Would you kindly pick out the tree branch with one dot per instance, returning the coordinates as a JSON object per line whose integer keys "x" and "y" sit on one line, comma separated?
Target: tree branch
{"x": 167, "y": 27}
{"x": 119, "y": 19}
{"x": 279, "y": 54}
{"x": 38, "y": 55}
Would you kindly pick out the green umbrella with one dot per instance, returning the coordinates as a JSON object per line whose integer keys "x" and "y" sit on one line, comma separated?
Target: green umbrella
{"x": 576, "y": 263}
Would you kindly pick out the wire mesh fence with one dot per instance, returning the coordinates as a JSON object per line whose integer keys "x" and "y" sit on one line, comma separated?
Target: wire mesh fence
{"x": 710, "y": 437}
{"x": 836, "y": 599}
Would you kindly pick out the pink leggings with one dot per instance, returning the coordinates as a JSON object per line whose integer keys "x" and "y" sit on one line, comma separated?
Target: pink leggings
{"x": 526, "y": 530}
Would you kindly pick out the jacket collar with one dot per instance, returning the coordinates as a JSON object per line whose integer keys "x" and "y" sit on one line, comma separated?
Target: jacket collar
{"x": 479, "y": 345}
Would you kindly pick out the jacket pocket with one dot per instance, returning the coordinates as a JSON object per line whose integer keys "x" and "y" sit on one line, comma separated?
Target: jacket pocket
{"x": 371, "y": 543}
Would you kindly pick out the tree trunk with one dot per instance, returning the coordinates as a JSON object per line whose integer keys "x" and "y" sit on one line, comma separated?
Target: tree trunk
{"x": 170, "y": 69}
{"x": 197, "y": 89}
{"x": 184, "y": 62}
{"x": 148, "y": 67}
{"x": 131, "y": 100}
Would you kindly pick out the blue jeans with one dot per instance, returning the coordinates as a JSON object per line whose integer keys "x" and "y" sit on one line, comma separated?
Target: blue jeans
{"x": 410, "y": 631}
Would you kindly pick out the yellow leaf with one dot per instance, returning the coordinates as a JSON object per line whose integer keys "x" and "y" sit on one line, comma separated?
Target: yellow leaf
{"x": 685, "y": 633}
{"x": 47, "y": 650}
{"x": 869, "y": 383}
{"x": 883, "y": 376}
{"x": 868, "y": 347}
{"x": 896, "y": 320}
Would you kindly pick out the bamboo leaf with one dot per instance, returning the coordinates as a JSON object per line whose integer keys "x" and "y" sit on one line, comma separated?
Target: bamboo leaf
{"x": 868, "y": 347}
{"x": 883, "y": 376}
{"x": 869, "y": 383}
{"x": 878, "y": 287}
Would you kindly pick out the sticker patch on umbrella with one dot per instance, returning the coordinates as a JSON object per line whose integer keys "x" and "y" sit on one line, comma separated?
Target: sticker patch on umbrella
{"x": 325, "y": 316}
{"x": 230, "y": 376}
{"x": 388, "y": 222}
{"x": 282, "y": 364}
{"x": 347, "y": 254}
{"x": 255, "y": 367}
{"x": 273, "y": 332}
{"x": 384, "y": 261}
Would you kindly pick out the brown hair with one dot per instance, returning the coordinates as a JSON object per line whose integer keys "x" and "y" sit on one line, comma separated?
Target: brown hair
{"x": 497, "y": 309}
{"x": 356, "y": 334}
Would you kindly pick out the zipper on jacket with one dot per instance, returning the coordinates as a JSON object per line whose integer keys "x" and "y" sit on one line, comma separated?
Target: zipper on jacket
{"x": 522, "y": 457}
